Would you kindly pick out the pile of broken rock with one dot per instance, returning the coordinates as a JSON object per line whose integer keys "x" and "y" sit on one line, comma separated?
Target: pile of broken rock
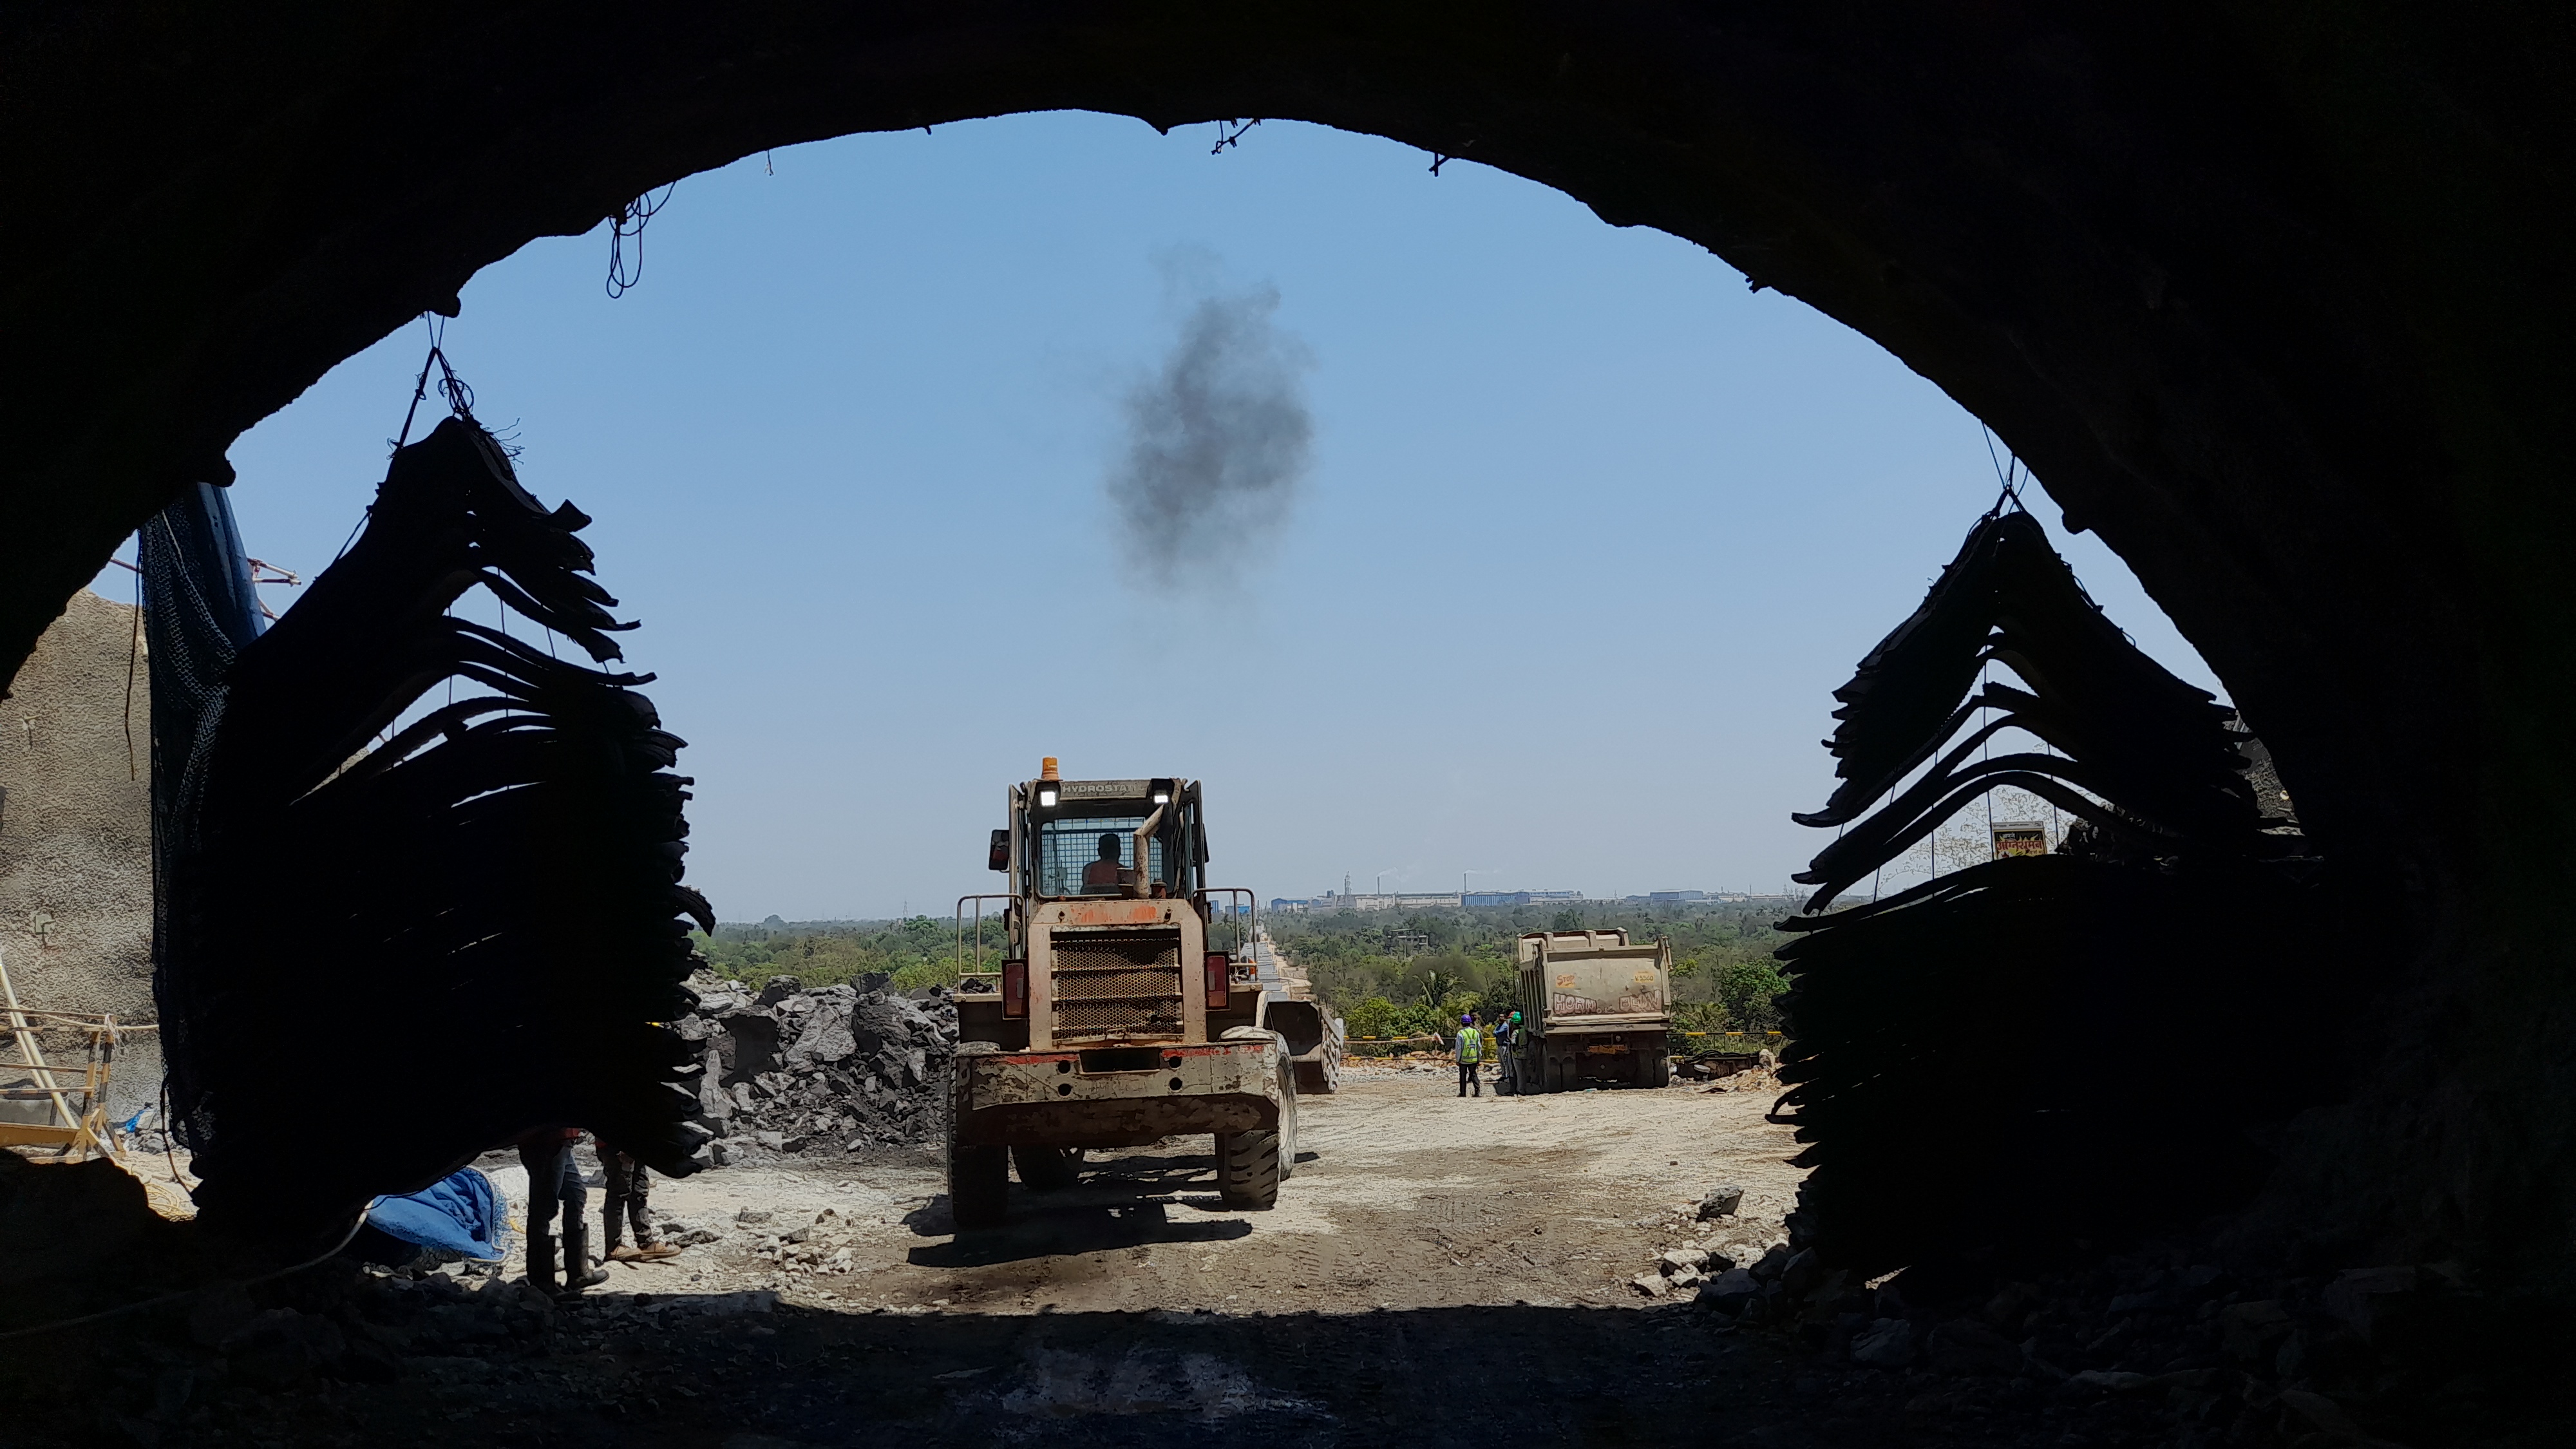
{"x": 1732, "y": 1245}
{"x": 834, "y": 1068}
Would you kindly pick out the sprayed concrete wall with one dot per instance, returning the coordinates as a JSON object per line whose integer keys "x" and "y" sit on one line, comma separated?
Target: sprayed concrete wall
{"x": 76, "y": 836}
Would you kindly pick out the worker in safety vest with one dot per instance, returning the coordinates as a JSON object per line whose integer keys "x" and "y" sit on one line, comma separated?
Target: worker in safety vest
{"x": 1469, "y": 1051}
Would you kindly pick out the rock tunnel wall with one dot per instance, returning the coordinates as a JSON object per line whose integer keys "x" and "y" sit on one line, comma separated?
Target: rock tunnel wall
{"x": 2273, "y": 296}
{"x": 76, "y": 839}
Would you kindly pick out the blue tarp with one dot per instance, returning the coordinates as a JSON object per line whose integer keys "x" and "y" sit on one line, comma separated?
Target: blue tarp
{"x": 459, "y": 1213}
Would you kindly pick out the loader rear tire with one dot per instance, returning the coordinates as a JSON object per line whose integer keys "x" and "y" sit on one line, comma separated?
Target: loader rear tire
{"x": 1044, "y": 1169}
{"x": 979, "y": 1185}
{"x": 1248, "y": 1170}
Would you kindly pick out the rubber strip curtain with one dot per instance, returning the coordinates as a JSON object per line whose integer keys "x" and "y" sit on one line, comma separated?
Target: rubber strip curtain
{"x": 387, "y": 949}
{"x": 2035, "y": 1050}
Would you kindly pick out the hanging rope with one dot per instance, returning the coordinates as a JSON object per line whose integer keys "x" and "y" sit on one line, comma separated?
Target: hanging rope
{"x": 1984, "y": 714}
{"x": 629, "y": 222}
{"x": 133, "y": 652}
{"x": 459, "y": 397}
{"x": 460, "y": 401}
{"x": 2010, "y": 475}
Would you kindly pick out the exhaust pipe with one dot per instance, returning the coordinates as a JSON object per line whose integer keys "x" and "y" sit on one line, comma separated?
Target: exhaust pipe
{"x": 1144, "y": 858}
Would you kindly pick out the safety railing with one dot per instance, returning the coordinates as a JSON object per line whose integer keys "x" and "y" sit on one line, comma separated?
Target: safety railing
{"x": 978, "y": 903}
{"x": 1244, "y": 917}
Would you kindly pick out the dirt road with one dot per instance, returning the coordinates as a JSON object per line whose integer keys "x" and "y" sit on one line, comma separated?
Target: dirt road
{"x": 1430, "y": 1256}
{"x": 1405, "y": 1196}
{"x": 1433, "y": 1260}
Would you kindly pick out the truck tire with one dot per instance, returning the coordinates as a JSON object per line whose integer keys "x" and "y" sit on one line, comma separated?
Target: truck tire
{"x": 1654, "y": 1066}
{"x": 1248, "y": 1169}
{"x": 979, "y": 1185}
{"x": 1045, "y": 1169}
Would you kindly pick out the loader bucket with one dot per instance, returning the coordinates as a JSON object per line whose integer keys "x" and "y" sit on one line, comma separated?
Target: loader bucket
{"x": 1314, "y": 1042}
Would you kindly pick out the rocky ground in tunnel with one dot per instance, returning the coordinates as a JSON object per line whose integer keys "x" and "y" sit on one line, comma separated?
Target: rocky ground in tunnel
{"x": 1430, "y": 1256}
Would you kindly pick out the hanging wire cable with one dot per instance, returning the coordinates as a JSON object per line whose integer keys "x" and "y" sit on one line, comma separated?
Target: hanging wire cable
{"x": 133, "y": 652}
{"x": 1985, "y": 714}
{"x": 2010, "y": 475}
{"x": 629, "y": 222}
{"x": 460, "y": 402}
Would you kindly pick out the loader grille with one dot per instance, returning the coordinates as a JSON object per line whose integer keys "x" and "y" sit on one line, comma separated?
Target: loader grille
{"x": 1124, "y": 983}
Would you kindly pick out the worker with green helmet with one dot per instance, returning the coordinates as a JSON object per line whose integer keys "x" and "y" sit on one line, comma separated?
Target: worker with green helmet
{"x": 1507, "y": 1037}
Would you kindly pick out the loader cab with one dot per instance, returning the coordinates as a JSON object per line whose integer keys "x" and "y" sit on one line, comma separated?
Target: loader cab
{"x": 1107, "y": 932}
{"x": 1136, "y": 839}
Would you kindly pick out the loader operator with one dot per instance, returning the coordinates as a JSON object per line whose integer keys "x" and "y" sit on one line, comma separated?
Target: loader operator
{"x": 1104, "y": 871}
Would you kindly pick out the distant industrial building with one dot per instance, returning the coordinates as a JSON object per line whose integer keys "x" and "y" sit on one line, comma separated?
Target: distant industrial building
{"x": 1517, "y": 898}
{"x": 1331, "y": 901}
{"x": 1678, "y": 898}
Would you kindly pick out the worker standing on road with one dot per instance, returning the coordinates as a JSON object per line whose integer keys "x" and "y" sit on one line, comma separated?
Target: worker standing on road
{"x": 554, "y": 1183}
{"x": 1507, "y": 1066}
{"x": 628, "y": 1186}
{"x": 1470, "y": 1050}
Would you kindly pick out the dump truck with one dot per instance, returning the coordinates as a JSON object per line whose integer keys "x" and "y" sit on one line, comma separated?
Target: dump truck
{"x": 1595, "y": 1009}
{"x": 1125, "y": 1008}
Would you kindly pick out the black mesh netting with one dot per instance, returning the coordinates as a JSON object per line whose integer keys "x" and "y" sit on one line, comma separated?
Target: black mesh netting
{"x": 199, "y": 613}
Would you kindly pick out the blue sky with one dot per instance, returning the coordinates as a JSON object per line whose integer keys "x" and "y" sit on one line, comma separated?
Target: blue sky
{"x": 1591, "y": 530}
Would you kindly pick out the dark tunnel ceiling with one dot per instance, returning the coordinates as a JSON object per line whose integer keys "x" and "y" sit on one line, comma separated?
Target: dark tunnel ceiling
{"x": 2273, "y": 296}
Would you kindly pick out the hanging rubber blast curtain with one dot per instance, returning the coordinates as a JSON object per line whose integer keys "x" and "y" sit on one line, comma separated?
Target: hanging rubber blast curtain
{"x": 2032, "y": 1051}
{"x": 395, "y": 950}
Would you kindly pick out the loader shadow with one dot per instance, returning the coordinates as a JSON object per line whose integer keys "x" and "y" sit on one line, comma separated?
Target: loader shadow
{"x": 1043, "y": 1229}
{"x": 1124, "y": 1201}
{"x": 1120, "y": 1202}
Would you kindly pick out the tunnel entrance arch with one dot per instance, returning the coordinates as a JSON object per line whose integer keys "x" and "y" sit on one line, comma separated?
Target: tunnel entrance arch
{"x": 2275, "y": 304}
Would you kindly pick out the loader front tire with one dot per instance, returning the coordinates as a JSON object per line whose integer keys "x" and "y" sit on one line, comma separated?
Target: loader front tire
{"x": 1248, "y": 1170}
{"x": 979, "y": 1185}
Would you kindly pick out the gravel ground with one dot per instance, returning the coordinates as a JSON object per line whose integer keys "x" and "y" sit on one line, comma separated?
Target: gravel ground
{"x": 1432, "y": 1256}
{"x": 1404, "y": 1197}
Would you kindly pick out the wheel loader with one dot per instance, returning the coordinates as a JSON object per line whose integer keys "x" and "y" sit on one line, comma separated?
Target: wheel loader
{"x": 1126, "y": 1007}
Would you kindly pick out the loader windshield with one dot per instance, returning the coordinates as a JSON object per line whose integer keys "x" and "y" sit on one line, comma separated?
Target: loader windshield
{"x": 1069, "y": 851}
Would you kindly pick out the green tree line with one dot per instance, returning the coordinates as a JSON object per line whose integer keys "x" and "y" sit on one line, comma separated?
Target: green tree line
{"x": 901, "y": 955}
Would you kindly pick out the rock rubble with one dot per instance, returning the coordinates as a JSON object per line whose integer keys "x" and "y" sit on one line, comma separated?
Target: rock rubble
{"x": 831, "y": 1068}
{"x": 2156, "y": 1344}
